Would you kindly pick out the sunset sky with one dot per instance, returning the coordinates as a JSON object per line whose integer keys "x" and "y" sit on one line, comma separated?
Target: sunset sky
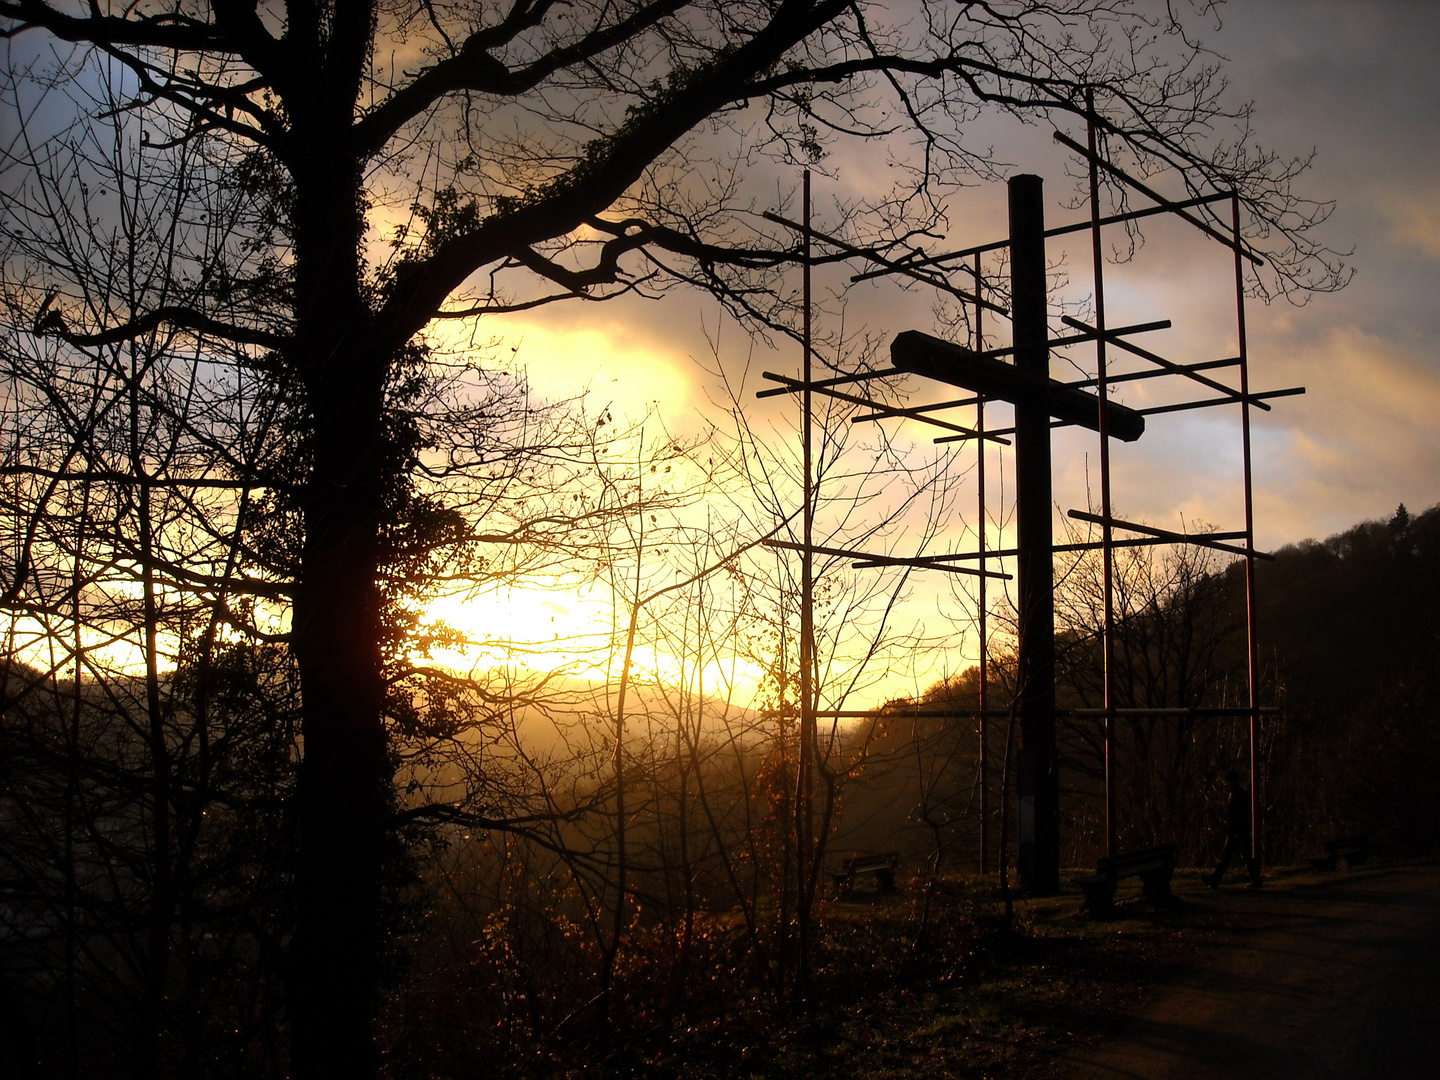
{"x": 1358, "y": 84}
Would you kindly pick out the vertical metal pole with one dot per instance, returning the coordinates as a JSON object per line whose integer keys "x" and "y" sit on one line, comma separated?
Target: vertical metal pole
{"x": 1039, "y": 767}
{"x": 1106, "y": 532}
{"x": 1254, "y": 647}
{"x": 984, "y": 635}
{"x": 804, "y": 822}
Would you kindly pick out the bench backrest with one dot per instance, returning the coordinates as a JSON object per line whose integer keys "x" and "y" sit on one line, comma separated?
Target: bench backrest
{"x": 865, "y": 864}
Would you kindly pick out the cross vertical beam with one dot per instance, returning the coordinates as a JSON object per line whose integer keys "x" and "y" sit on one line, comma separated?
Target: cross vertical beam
{"x": 1039, "y": 765}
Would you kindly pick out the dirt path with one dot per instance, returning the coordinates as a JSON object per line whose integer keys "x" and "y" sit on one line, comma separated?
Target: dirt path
{"x": 1336, "y": 981}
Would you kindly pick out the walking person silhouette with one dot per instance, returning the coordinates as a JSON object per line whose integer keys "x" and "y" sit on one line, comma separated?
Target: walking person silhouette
{"x": 1237, "y": 834}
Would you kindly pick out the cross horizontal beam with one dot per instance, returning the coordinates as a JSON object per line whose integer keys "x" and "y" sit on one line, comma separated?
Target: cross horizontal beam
{"x": 944, "y": 361}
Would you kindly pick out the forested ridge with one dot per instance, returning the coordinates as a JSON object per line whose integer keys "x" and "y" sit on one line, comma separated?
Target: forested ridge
{"x": 1352, "y": 625}
{"x": 1355, "y": 614}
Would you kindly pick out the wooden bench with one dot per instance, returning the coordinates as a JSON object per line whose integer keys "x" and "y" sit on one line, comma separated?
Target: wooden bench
{"x": 883, "y": 868}
{"x": 1154, "y": 866}
{"x": 1353, "y": 849}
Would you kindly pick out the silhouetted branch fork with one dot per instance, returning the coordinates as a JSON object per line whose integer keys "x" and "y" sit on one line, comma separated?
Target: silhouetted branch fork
{"x": 202, "y": 482}
{"x": 526, "y": 826}
{"x": 455, "y": 815}
{"x": 474, "y": 68}
{"x": 633, "y": 234}
{"x": 52, "y": 323}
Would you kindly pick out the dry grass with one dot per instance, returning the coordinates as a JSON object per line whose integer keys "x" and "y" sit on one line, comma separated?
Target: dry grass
{"x": 975, "y": 999}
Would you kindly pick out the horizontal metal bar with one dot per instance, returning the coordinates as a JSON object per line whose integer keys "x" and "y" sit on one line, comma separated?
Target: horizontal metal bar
{"x": 1178, "y": 710}
{"x": 1089, "y": 334}
{"x": 1151, "y": 373}
{"x": 1199, "y": 539}
{"x": 1255, "y": 399}
{"x": 1089, "y": 545}
{"x": 1172, "y": 207}
{"x": 916, "y": 410}
{"x": 928, "y": 260}
{"x": 1096, "y": 545}
{"x": 898, "y": 268}
{"x": 1062, "y": 230}
{"x": 934, "y": 259}
{"x": 897, "y": 711}
{"x": 962, "y": 556}
{"x": 1137, "y": 541}
{"x": 1169, "y": 365}
{"x": 1152, "y": 411}
{"x": 885, "y": 560}
{"x": 798, "y": 385}
{"x": 1134, "y": 215}
{"x": 855, "y": 400}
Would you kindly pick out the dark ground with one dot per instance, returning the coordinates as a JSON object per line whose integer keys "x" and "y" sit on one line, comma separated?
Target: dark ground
{"x": 1336, "y": 979}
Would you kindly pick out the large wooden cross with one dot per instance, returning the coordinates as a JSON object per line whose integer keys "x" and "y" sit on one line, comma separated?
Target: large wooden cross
{"x": 1037, "y": 399}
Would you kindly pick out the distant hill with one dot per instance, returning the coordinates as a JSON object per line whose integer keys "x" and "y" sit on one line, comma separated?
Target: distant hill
{"x": 1353, "y": 613}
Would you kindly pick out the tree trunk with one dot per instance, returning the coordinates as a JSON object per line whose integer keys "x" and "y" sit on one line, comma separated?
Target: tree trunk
{"x": 344, "y": 794}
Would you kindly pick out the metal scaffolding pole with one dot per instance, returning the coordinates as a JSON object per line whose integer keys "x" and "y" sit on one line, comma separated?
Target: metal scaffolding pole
{"x": 982, "y": 600}
{"x": 1251, "y": 639}
{"x": 1107, "y": 548}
